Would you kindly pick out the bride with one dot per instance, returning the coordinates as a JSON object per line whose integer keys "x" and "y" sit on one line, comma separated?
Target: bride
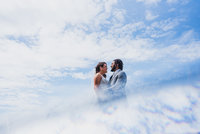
{"x": 100, "y": 82}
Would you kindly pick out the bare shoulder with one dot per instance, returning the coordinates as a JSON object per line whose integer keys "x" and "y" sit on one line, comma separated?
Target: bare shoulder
{"x": 97, "y": 76}
{"x": 97, "y": 80}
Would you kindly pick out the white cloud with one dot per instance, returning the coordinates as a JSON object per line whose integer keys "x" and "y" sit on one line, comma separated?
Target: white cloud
{"x": 55, "y": 48}
{"x": 172, "y": 109}
{"x": 168, "y": 24}
{"x": 185, "y": 49}
{"x": 172, "y": 1}
{"x": 162, "y": 28}
{"x": 172, "y": 10}
{"x": 81, "y": 75}
{"x": 150, "y": 16}
{"x": 155, "y": 2}
{"x": 149, "y": 1}
{"x": 140, "y": 73}
{"x": 126, "y": 31}
{"x": 30, "y": 18}
{"x": 176, "y": 1}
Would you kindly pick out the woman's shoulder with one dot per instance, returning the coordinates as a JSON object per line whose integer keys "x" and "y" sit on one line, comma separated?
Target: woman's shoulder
{"x": 98, "y": 76}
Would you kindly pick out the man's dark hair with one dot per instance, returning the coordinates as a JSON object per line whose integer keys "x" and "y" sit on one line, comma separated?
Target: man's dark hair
{"x": 119, "y": 63}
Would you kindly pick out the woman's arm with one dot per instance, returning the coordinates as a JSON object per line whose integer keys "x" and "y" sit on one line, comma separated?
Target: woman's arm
{"x": 97, "y": 80}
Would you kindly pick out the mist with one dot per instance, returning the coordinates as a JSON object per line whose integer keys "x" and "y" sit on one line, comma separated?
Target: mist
{"x": 172, "y": 109}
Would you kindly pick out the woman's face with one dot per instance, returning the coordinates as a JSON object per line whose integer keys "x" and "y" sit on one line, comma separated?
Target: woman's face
{"x": 104, "y": 68}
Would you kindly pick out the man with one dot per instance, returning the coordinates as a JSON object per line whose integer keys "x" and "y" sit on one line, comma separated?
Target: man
{"x": 117, "y": 81}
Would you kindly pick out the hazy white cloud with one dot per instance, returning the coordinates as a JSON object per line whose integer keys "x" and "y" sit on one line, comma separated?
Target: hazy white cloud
{"x": 172, "y": 10}
{"x": 155, "y": 2}
{"x": 162, "y": 28}
{"x": 150, "y": 16}
{"x": 168, "y": 24}
{"x": 81, "y": 75}
{"x": 33, "y": 17}
{"x": 172, "y": 1}
{"x": 176, "y": 1}
{"x": 55, "y": 48}
{"x": 149, "y": 1}
{"x": 126, "y": 31}
{"x": 164, "y": 111}
{"x": 185, "y": 49}
{"x": 186, "y": 53}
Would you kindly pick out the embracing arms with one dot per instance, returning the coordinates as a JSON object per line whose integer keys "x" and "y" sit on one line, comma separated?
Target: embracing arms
{"x": 119, "y": 81}
{"x": 117, "y": 87}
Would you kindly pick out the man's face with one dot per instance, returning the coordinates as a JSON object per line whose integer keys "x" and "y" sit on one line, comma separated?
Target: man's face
{"x": 113, "y": 66}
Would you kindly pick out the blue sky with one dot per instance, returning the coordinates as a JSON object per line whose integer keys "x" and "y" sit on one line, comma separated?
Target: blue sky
{"x": 48, "y": 51}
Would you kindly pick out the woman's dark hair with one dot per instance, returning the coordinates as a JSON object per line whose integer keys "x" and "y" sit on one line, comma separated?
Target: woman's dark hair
{"x": 119, "y": 63}
{"x": 97, "y": 68}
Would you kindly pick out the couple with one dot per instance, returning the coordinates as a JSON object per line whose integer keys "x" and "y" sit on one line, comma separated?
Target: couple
{"x": 114, "y": 89}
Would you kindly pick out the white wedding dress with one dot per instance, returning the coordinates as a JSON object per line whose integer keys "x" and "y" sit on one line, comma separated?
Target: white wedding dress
{"x": 101, "y": 89}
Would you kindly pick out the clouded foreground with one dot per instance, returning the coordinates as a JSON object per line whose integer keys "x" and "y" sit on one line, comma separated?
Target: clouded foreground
{"x": 170, "y": 110}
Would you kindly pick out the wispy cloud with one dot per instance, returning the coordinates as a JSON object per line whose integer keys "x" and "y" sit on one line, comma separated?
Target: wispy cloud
{"x": 180, "y": 1}
{"x": 172, "y": 1}
{"x": 150, "y": 16}
{"x": 149, "y": 1}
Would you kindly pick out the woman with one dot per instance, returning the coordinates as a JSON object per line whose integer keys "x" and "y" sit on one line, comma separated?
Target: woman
{"x": 100, "y": 82}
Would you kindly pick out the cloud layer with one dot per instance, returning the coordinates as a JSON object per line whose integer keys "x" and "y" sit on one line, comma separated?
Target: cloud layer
{"x": 171, "y": 110}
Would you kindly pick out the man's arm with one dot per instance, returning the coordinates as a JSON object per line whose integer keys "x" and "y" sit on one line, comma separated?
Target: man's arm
{"x": 118, "y": 88}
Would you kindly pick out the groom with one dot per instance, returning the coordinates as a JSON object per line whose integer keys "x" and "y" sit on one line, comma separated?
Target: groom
{"x": 117, "y": 81}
